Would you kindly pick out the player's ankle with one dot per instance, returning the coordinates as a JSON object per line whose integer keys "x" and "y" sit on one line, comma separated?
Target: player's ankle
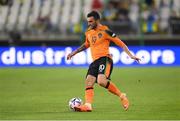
{"x": 122, "y": 95}
{"x": 89, "y": 105}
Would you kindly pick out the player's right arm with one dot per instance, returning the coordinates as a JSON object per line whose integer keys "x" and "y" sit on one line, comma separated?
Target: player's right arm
{"x": 84, "y": 46}
{"x": 81, "y": 48}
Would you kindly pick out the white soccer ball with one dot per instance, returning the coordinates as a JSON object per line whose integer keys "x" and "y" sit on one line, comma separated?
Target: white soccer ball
{"x": 74, "y": 102}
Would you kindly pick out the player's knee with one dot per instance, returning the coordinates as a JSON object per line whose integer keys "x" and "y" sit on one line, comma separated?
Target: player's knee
{"x": 102, "y": 82}
{"x": 90, "y": 81}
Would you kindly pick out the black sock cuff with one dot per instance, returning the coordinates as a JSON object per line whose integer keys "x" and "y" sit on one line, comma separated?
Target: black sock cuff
{"x": 108, "y": 83}
{"x": 89, "y": 88}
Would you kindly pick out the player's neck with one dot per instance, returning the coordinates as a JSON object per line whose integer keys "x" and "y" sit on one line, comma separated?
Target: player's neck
{"x": 98, "y": 25}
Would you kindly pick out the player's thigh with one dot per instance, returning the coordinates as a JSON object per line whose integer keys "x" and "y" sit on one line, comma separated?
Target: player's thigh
{"x": 102, "y": 80}
{"x": 91, "y": 74}
{"x": 90, "y": 81}
{"x": 105, "y": 67}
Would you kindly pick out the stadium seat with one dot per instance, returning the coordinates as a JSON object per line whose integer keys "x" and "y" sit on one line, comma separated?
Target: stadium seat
{"x": 65, "y": 18}
{"x": 75, "y": 18}
{"x": 23, "y": 16}
{"x": 164, "y": 15}
{"x": 13, "y": 17}
{"x": 35, "y": 11}
{"x": 3, "y": 15}
{"x": 56, "y": 12}
{"x": 46, "y": 8}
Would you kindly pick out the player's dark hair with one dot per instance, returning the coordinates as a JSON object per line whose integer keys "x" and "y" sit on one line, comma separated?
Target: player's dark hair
{"x": 94, "y": 14}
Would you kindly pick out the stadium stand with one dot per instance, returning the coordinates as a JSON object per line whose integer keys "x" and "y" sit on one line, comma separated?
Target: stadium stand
{"x": 36, "y": 17}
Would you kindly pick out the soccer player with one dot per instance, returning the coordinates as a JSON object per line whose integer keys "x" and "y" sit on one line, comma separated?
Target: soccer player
{"x": 98, "y": 38}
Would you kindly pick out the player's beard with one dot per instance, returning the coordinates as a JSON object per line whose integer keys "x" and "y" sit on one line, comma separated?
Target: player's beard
{"x": 93, "y": 26}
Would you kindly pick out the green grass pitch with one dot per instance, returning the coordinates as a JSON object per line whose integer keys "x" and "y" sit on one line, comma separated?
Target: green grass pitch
{"x": 43, "y": 94}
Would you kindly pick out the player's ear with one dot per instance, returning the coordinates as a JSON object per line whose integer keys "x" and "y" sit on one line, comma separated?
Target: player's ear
{"x": 98, "y": 20}
{"x": 110, "y": 33}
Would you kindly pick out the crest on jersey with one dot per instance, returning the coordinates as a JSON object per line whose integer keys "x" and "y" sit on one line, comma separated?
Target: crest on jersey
{"x": 99, "y": 35}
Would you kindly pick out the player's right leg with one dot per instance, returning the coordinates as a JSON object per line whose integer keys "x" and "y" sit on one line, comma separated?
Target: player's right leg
{"x": 89, "y": 84}
{"x": 89, "y": 95}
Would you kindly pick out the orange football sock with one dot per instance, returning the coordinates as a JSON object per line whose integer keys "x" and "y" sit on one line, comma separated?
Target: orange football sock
{"x": 113, "y": 89}
{"x": 89, "y": 94}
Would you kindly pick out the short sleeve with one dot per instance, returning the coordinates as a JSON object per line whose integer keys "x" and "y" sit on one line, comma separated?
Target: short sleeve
{"x": 86, "y": 43}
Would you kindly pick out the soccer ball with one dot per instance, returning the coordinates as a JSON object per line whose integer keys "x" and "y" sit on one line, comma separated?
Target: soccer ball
{"x": 74, "y": 102}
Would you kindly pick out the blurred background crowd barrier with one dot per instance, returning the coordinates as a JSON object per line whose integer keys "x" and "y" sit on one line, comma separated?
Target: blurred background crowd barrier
{"x": 64, "y": 20}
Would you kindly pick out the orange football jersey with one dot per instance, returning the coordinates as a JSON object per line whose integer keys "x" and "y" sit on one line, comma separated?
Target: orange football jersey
{"x": 99, "y": 40}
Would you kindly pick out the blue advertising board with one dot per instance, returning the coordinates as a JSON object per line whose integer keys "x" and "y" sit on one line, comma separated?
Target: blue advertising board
{"x": 56, "y": 56}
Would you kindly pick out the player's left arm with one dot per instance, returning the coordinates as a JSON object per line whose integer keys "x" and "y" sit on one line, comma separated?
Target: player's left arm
{"x": 125, "y": 48}
{"x": 112, "y": 36}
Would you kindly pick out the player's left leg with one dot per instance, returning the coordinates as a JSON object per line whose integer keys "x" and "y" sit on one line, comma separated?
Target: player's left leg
{"x": 104, "y": 73}
{"x": 102, "y": 81}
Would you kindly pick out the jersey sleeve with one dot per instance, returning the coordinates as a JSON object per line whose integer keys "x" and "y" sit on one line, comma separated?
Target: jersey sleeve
{"x": 86, "y": 43}
{"x": 112, "y": 37}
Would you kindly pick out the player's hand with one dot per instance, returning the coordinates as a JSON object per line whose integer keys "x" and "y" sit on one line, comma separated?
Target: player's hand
{"x": 69, "y": 56}
{"x": 136, "y": 59}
